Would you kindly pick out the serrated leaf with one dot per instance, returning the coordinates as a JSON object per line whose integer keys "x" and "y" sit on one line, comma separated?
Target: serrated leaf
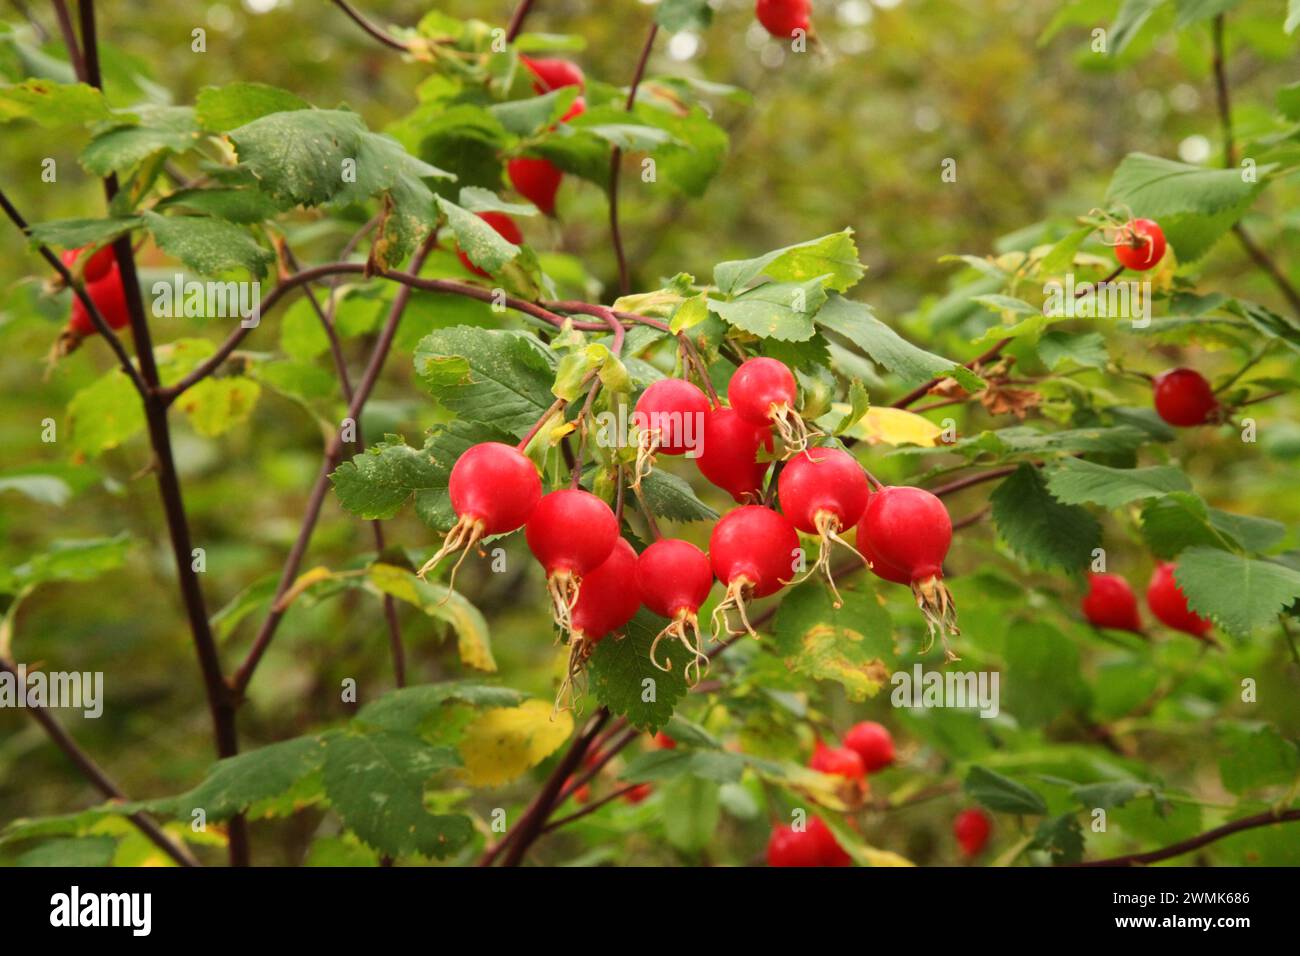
{"x": 1075, "y": 481}
{"x": 1041, "y": 673}
{"x": 208, "y": 246}
{"x": 848, "y": 645}
{"x": 162, "y": 129}
{"x": 1061, "y": 838}
{"x": 690, "y": 813}
{"x": 105, "y": 414}
{"x": 1039, "y": 528}
{"x": 378, "y": 482}
{"x": 832, "y": 259}
{"x": 882, "y": 424}
{"x": 92, "y": 851}
{"x": 504, "y": 742}
{"x": 1114, "y": 793}
{"x": 52, "y": 104}
{"x": 1239, "y": 594}
{"x": 1002, "y": 794}
{"x": 407, "y": 710}
{"x": 75, "y": 233}
{"x": 777, "y": 310}
{"x": 216, "y": 405}
{"x": 673, "y": 498}
{"x": 221, "y": 108}
{"x": 297, "y": 157}
{"x": 492, "y": 376}
{"x": 81, "y": 559}
{"x": 1256, "y": 758}
{"x": 1087, "y": 349}
{"x": 1176, "y": 521}
{"x": 230, "y": 786}
{"x": 624, "y": 680}
{"x": 375, "y": 782}
{"x": 856, "y": 322}
{"x": 245, "y": 206}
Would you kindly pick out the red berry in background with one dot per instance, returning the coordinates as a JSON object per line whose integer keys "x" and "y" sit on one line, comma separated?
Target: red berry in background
{"x": 638, "y": 793}
{"x": 494, "y": 488}
{"x": 552, "y": 74}
{"x": 824, "y": 491}
{"x": 571, "y": 532}
{"x": 753, "y": 551}
{"x": 537, "y": 180}
{"x": 582, "y": 794}
{"x": 1140, "y": 245}
{"x": 909, "y": 530}
{"x": 813, "y": 846}
{"x": 971, "y": 828}
{"x": 1184, "y": 398}
{"x": 674, "y": 578}
{"x": 763, "y": 392}
{"x": 729, "y": 456}
{"x": 664, "y": 742}
{"x": 576, "y": 108}
{"x": 840, "y": 761}
{"x": 505, "y": 227}
{"x": 1169, "y": 604}
{"x": 873, "y": 743}
{"x": 1110, "y": 602}
{"x": 103, "y": 284}
{"x": 782, "y": 17}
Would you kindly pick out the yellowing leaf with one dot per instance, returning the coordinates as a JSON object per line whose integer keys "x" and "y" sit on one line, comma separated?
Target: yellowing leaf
{"x": 891, "y": 426}
{"x": 304, "y": 581}
{"x": 439, "y": 602}
{"x": 504, "y": 742}
{"x": 863, "y": 854}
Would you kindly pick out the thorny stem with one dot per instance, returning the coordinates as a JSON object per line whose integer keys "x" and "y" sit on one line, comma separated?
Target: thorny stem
{"x": 616, "y": 161}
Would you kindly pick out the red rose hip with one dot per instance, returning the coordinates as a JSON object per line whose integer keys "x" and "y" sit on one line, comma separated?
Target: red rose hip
{"x": 873, "y": 743}
{"x": 674, "y": 578}
{"x": 824, "y": 491}
{"x": 1184, "y": 398}
{"x": 1110, "y": 602}
{"x": 1140, "y": 245}
{"x": 1169, "y": 604}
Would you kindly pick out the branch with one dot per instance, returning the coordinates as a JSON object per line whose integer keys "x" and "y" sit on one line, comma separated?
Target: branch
{"x": 962, "y": 483}
{"x": 97, "y": 776}
{"x": 589, "y": 808}
{"x": 69, "y": 35}
{"x": 517, "y": 20}
{"x": 922, "y": 390}
{"x": 1196, "y": 842}
{"x": 615, "y": 161}
{"x": 387, "y": 39}
{"x": 333, "y": 450}
{"x": 220, "y": 703}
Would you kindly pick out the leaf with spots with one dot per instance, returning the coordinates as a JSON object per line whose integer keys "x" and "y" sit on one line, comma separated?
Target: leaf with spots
{"x": 504, "y": 742}
{"x": 848, "y": 645}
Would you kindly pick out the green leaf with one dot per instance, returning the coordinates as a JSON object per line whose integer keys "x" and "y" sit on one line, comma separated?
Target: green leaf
{"x": 1040, "y": 529}
{"x": 1041, "y": 673}
{"x": 528, "y": 117}
{"x": 297, "y": 157}
{"x": 376, "y": 784}
{"x": 42, "y": 489}
{"x": 1238, "y": 593}
{"x": 848, "y": 645}
{"x": 409, "y": 709}
{"x": 216, "y": 405}
{"x": 221, "y": 108}
{"x": 245, "y": 206}
{"x": 1006, "y": 304}
{"x": 443, "y": 446}
{"x": 256, "y": 595}
{"x": 76, "y": 851}
{"x": 695, "y": 149}
{"x": 1255, "y": 759}
{"x": 778, "y": 310}
{"x": 1133, "y": 14}
{"x": 673, "y": 498}
{"x": 1112, "y": 793}
{"x": 483, "y": 245}
{"x": 1194, "y": 11}
{"x": 859, "y": 404}
{"x": 690, "y": 813}
{"x": 1194, "y": 205}
{"x": 52, "y": 104}
{"x": 442, "y": 603}
{"x": 1024, "y": 440}
{"x": 208, "y": 246}
{"x": 674, "y": 15}
{"x": 1087, "y": 349}
{"x": 81, "y": 559}
{"x": 104, "y": 414}
{"x": 855, "y": 321}
{"x": 75, "y": 233}
{"x": 624, "y": 680}
{"x": 1061, "y": 837}
{"x": 832, "y": 259}
{"x": 476, "y": 199}
{"x": 378, "y": 482}
{"x": 1253, "y": 534}
{"x": 230, "y": 786}
{"x": 1060, "y": 258}
{"x": 1075, "y": 481}
{"x": 1002, "y": 793}
{"x": 1292, "y": 16}
{"x": 496, "y": 377}
{"x": 162, "y": 129}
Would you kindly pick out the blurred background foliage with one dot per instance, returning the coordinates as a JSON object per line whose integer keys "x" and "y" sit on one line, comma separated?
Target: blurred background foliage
{"x": 852, "y": 136}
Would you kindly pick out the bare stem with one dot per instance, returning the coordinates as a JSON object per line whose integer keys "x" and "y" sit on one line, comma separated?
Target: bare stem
{"x": 387, "y": 39}
{"x": 1195, "y": 843}
{"x": 616, "y": 161}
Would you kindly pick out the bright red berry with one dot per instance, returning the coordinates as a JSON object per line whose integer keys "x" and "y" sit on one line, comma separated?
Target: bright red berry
{"x": 664, "y": 742}
{"x": 782, "y": 17}
{"x": 607, "y": 600}
{"x": 753, "y": 550}
{"x": 813, "y": 846}
{"x": 571, "y": 532}
{"x": 537, "y": 180}
{"x": 674, "y": 578}
{"x": 840, "y": 761}
{"x": 638, "y": 793}
{"x": 1169, "y": 604}
{"x": 763, "y": 392}
{"x": 729, "y": 456}
{"x": 971, "y": 828}
{"x": 909, "y": 530}
{"x": 873, "y": 743}
{"x": 552, "y": 74}
{"x": 671, "y": 413}
{"x": 582, "y": 794}
{"x": 824, "y": 491}
{"x": 1140, "y": 245}
{"x": 494, "y": 488}
{"x": 1110, "y": 602}
{"x": 1183, "y": 397}
{"x": 103, "y": 284}
{"x": 505, "y": 227}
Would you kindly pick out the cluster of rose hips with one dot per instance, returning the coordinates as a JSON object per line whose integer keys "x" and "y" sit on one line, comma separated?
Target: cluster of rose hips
{"x": 596, "y": 580}
{"x": 1111, "y": 603}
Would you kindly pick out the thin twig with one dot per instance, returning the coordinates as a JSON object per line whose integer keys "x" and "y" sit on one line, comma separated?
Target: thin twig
{"x": 1195, "y": 843}
{"x": 387, "y": 39}
{"x": 69, "y": 35}
{"x": 517, "y": 20}
{"x": 589, "y": 808}
{"x": 616, "y": 160}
